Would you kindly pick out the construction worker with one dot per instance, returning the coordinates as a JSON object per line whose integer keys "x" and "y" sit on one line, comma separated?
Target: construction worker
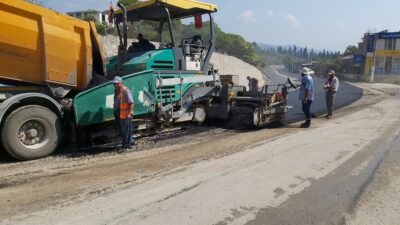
{"x": 111, "y": 14}
{"x": 142, "y": 45}
{"x": 306, "y": 95}
{"x": 250, "y": 83}
{"x": 123, "y": 110}
{"x": 253, "y": 83}
{"x": 331, "y": 87}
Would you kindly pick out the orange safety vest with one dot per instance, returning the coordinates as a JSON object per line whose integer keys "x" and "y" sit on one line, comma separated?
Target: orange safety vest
{"x": 124, "y": 112}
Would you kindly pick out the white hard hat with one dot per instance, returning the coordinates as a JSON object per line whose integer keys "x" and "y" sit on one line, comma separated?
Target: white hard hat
{"x": 117, "y": 80}
{"x": 305, "y": 70}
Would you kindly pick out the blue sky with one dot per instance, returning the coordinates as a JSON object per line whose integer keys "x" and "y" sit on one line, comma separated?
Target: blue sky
{"x": 320, "y": 24}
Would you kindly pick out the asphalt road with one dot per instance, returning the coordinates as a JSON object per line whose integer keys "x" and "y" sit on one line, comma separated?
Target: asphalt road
{"x": 346, "y": 95}
{"x": 285, "y": 175}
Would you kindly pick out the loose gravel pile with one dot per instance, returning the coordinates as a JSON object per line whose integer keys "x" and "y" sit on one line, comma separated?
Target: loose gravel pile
{"x": 225, "y": 64}
{"x": 231, "y": 65}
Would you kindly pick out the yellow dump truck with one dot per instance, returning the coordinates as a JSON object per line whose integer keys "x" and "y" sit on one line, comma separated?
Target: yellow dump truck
{"x": 45, "y": 58}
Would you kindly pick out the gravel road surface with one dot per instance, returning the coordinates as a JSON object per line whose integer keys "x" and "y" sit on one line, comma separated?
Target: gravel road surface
{"x": 208, "y": 175}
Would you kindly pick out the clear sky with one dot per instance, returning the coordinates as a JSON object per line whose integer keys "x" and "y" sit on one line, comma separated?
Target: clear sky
{"x": 320, "y": 24}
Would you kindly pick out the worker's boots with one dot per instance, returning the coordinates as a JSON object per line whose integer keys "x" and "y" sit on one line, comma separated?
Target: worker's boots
{"x": 306, "y": 124}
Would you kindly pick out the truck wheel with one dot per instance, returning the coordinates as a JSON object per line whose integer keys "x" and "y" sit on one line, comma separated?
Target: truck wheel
{"x": 31, "y": 132}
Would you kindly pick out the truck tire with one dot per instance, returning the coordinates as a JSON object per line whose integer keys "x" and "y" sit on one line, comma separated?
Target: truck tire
{"x": 31, "y": 132}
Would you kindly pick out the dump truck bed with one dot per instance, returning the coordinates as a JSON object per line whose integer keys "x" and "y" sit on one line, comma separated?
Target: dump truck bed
{"x": 41, "y": 46}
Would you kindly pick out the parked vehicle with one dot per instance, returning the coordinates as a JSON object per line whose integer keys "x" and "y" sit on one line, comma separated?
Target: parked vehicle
{"x": 58, "y": 84}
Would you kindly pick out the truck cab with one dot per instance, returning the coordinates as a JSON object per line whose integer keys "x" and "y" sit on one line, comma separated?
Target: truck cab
{"x": 185, "y": 54}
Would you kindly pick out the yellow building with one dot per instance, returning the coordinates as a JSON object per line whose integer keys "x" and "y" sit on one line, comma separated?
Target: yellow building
{"x": 383, "y": 50}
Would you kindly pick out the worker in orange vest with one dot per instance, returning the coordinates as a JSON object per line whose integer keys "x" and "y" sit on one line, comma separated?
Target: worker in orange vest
{"x": 123, "y": 110}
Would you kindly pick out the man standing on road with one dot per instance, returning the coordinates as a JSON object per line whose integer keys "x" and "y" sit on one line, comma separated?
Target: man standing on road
{"x": 331, "y": 87}
{"x": 306, "y": 95}
{"x": 123, "y": 110}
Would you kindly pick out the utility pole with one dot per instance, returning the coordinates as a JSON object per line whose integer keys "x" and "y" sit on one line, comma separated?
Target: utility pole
{"x": 371, "y": 78}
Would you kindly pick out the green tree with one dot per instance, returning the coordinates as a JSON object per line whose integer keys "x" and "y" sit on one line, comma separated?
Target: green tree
{"x": 312, "y": 53}
{"x": 102, "y": 29}
{"x": 305, "y": 52}
{"x": 351, "y": 50}
{"x": 294, "y": 50}
{"x": 90, "y": 18}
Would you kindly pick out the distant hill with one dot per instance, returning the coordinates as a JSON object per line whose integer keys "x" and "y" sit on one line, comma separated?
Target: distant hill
{"x": 284, "y": 47}
{"x": 269, "y": 46}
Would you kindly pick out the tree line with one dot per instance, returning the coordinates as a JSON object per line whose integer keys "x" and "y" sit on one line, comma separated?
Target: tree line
{"x": 293, "y": 57}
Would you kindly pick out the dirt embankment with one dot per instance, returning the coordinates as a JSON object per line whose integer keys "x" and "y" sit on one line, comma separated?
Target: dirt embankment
{"x": 224, "y": 63}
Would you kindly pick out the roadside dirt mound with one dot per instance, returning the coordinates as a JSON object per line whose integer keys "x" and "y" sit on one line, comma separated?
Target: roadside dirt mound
{"x": 231, "y": 65}
{"x": 225, "y": 64}
{"x": 110, "y": 45}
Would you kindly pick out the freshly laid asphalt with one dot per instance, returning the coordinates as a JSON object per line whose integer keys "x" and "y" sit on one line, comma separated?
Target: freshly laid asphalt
{"x": 346, "y": 94}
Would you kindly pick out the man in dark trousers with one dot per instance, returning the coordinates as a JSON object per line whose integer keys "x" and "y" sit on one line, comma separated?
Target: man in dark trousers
{"x": 306, "y": 95}
{"x": 331, "y": 87}
{"x": 123, "y": 110}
